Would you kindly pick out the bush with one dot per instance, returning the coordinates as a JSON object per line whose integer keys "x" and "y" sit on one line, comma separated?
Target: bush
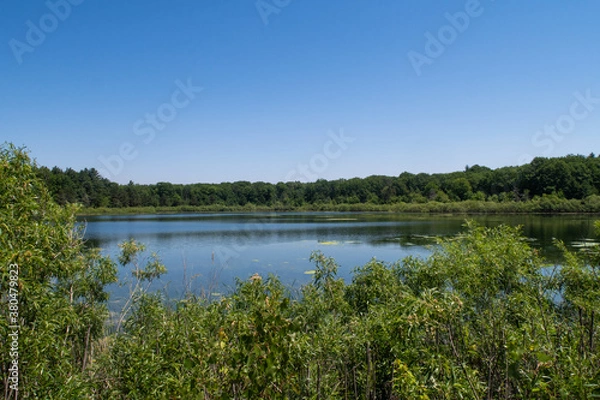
{"x": 61, "y": 285}
{"x": 477, "y": 319}
{"x": 482, "y": 317}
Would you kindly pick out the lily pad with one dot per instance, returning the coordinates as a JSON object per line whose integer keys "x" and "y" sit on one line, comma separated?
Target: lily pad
{"x": 329, "y": 242}
{"x": 587, "y": 243}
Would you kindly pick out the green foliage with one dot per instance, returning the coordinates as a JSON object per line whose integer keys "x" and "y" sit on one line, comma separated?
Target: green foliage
{"x": 482, "y": 317}
{"x": 460, "y": 188}
{"x": 61, "y": 286}
{"x": 564, "y": 184}
{"x": 246, "y": 346}
{"x": 130, "y": 251}
{"x": 142, "y": 277}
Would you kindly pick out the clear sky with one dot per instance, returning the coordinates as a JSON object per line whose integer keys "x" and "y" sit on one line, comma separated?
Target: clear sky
{"x": 274, "y": 90}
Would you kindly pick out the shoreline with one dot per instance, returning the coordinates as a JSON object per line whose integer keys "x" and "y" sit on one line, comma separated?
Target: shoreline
{"x": 469, "y": 207}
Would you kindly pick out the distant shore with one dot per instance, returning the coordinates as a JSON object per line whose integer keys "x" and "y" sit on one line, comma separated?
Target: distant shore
{"x": 536, "y": 206}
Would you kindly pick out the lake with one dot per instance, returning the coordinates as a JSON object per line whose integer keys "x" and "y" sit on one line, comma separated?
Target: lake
{"x": 206, "y": 252}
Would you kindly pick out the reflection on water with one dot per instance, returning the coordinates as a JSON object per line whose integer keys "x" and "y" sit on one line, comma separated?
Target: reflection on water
{"x": 220, "y": 247}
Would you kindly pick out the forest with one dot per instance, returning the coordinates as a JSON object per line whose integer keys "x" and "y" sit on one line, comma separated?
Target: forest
{"x": 562, "y": 184}
{"x": 483, "y": 317}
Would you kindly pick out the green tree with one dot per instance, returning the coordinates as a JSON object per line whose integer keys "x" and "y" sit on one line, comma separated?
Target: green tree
{"x": 460, "y": 189}
{"x": 61, "y": 285}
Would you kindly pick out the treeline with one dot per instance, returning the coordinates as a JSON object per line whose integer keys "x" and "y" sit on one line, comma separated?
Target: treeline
{"x": 573, "y": 177}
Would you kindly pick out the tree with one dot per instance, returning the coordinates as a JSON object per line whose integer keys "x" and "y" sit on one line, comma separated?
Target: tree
{"x": 572, "y": 176}
{"x": 59, "y": 297}
{"x": 460, "y": 188}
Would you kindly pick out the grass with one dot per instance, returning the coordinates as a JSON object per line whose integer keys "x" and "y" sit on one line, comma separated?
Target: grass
{"x": 468, "y": 207}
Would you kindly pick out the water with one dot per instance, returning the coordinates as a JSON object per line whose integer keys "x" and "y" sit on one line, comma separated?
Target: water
{"x": 206, "y": 252}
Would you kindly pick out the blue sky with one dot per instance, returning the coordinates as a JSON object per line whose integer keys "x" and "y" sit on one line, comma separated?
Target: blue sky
{"x": 297, "y": 89}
